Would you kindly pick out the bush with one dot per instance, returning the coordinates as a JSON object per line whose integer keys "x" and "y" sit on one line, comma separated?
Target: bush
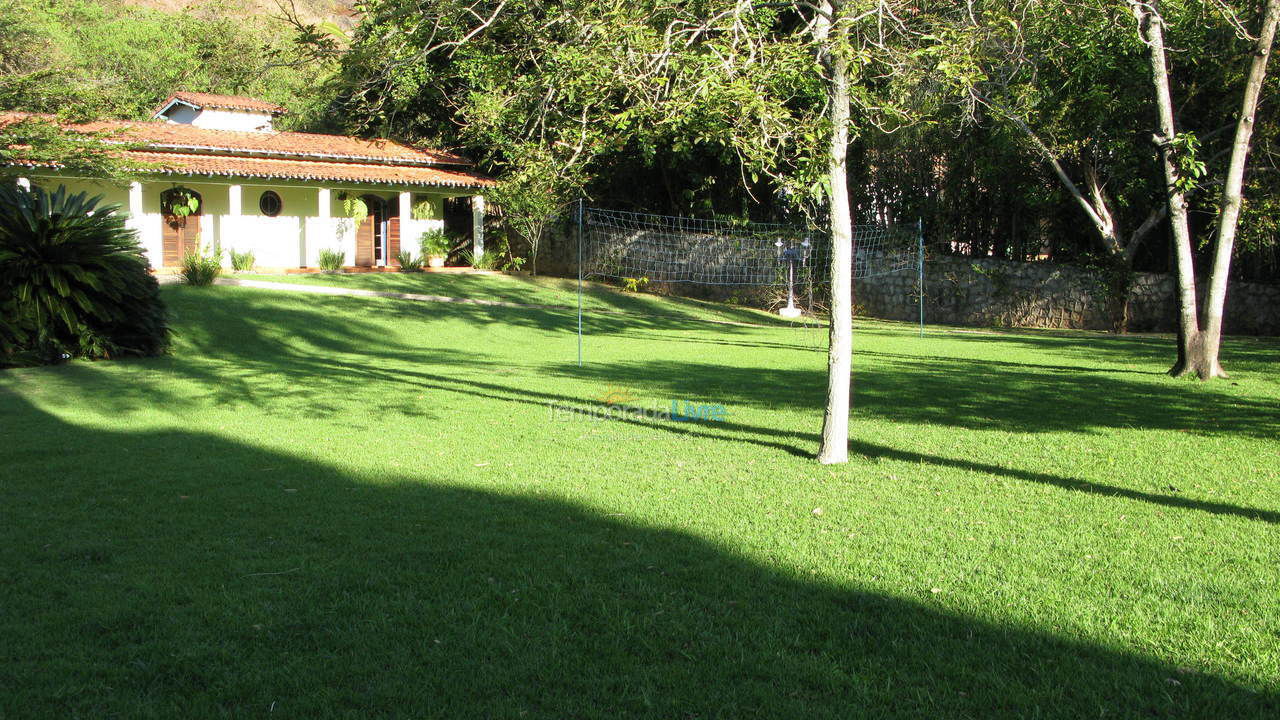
{"x": 434, "y": 243}
{"x": 487, "y": 260}
{"x": 331, "y": 260}
{"x": 242, "y": 261}
{"x": 492, "y": 259}
{"x": 199, "y": 268}
{"x": 73, "y": 281}
{"x": 409, "y": 263}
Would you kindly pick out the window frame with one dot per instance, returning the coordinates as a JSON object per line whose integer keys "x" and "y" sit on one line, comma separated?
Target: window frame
{"x": 264, "y": 197}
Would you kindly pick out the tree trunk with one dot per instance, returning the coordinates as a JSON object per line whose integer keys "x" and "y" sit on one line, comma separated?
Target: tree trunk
{"x": 1118, "y": 281}
{"x": 1151, "y": 28}
{"x": 1232, "y": 197}
{"x": 835, "y": 423}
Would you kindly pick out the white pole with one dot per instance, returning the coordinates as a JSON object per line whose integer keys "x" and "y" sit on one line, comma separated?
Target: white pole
{"x": 580, "y": 220}
{"x": 477, "y": 225}
{"x": 232, "y": 223}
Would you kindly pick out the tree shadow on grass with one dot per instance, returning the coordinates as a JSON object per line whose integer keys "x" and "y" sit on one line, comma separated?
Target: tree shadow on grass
{"x": 603, "y": 303}
{"x": 245, "y": 581}
{"x": 972, "y": 394}
{"x": 1157, "y": 351}
{"x": 871, "y": 450}
{"x": 293, "y": 358}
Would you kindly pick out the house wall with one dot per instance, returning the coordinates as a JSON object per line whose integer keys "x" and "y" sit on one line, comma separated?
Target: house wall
{"x": 275, "y": 241}
{"x": 292, "y": 239}
{"x": 220, "y": 119}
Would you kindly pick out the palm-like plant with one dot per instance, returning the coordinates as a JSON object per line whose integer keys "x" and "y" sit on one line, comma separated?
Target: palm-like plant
{"x": 73, "y": 281}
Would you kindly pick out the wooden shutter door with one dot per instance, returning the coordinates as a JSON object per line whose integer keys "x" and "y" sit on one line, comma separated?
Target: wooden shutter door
{"x": 364, "y": 242}
{"x": 172, "y": 236}
{"x": 393, "y": 241}
{"x": 190, "y": 234}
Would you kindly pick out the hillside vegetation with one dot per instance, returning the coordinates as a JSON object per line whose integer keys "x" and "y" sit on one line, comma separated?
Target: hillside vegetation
{"x": 118, "y": 58}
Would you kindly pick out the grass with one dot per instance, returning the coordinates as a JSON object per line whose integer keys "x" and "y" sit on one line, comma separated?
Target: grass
{"x": 538, "y": 290}
{"x": 353, "y": 507}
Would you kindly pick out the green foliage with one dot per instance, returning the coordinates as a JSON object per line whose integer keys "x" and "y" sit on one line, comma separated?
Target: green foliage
{"x": 488, "y": 260}
{"x": 201, "y": 267}
{"x": 41, "y": 142}
{"x": 331, "y": 261}
{"x": 544, "y": 98}
{"x": 1184, "y": 149}
{"x": 132, "y": 57}
{"x": 242, "y": 261}
{"x": 635, "y": 284}
{"x": 435, "y": 243}
{"x": 409, "y": 263}
{"x": 353, "y": 207}
{"x": 73, "y": 281}
{"x": 180, "y": 201}
{"x": 424, "y": 210}
{"x": 498, "y": 256}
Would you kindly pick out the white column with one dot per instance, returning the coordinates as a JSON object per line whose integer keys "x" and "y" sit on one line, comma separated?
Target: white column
{"x": 24, "y": 183}
{"x": 151, "y": 244}
{"x": 328, "y": 229}
{"x": 232, "y": 224}
{"x": 407, "y": 234}
{"x": 135, "y": 203}
{"x": 477, "y": 223}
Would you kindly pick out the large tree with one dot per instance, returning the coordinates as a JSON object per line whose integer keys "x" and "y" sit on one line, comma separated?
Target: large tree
{"x": 778, "y": 86}
{"x": 1200, "y": 334}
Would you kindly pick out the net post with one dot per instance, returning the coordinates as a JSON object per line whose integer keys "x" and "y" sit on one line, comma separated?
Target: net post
{"x": 580, "y": 202}
{"x": 920, "y": 270}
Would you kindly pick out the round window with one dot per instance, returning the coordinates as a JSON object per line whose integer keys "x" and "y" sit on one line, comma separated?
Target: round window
{"x": 270, "y": 203}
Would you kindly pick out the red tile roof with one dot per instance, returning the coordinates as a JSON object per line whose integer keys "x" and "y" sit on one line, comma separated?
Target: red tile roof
{"x": 231, "y": 166}
{"x": 303, "y": 156}
{"x": 178, "y": 136}
{"x": 224, "y": 102}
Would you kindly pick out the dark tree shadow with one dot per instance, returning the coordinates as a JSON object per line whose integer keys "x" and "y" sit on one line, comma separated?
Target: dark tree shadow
{"x": 1156, "y": 351}
{"x": 974, "y": 394}
{"x": 319, "y": 368}
{"x": 246, "y": 582}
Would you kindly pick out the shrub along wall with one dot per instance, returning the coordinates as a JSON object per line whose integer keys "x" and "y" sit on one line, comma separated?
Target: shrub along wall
{"x": 1005, "y": 293}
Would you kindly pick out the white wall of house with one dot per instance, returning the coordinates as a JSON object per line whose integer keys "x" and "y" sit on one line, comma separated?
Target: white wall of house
{"x": 310, "y": 217}
{"x": 309, "y": 221}
{"x": 240, "y": 120}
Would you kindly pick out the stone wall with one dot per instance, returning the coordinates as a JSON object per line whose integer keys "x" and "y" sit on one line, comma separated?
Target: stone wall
{"x": 990, "y": 292}
{"x": 987, "y": 292}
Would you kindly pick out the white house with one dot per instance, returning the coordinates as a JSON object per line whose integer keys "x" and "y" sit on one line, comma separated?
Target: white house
{"x": 281, "y": 195}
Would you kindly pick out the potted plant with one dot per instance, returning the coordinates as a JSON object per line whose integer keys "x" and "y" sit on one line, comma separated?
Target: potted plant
{"x": 435, "y": 247}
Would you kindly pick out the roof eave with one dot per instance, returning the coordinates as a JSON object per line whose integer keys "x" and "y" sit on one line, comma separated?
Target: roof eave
{"x": 314, "y": 178}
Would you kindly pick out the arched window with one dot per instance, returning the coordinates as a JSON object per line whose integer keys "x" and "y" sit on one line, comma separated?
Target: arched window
{"x": 270, "y": 203}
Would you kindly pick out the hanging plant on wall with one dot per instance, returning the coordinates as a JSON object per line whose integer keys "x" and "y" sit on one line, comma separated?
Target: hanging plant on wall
{"x": 354, "y": 208}
{"x": 354, "y": 212}
{"x": 423, "y": 210}
{"x": 181, "y": 202}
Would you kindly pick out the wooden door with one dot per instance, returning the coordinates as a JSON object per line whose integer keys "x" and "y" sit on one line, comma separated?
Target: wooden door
{"x": 181, "y": 235}
{"x": 393, "y": 241}
{"x": 364, "y": 242}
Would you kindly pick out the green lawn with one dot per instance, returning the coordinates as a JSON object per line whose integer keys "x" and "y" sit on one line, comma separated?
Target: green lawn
{"x": 531, "y": 290}
{"x": 334, "y": 506}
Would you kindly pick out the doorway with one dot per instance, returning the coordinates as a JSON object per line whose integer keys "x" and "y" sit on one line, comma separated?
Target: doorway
{"x": 371, "y": 238}
{"x": 180, "y": 210}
